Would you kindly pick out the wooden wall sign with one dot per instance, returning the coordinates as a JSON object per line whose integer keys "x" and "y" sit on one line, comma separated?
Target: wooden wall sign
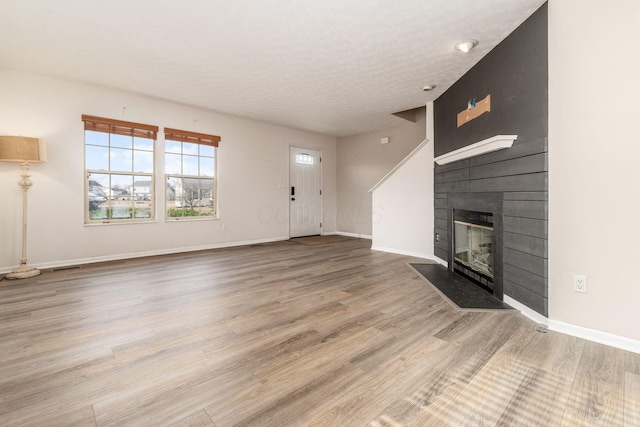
{"x": 473, "y": 111}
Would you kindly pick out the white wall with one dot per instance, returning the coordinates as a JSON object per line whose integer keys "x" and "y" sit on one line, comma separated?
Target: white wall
{"x": 253, "y": 175}
{"x": 594, "y": 164}
{"x": 362, "y": 162}
{"x": 403, "y": 210}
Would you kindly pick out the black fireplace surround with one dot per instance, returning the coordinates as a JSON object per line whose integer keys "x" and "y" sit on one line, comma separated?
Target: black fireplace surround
{"x": 491, "y": 203}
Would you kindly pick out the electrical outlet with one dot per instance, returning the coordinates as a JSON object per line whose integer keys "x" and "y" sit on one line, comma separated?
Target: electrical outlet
{"x": 580, "y": 283}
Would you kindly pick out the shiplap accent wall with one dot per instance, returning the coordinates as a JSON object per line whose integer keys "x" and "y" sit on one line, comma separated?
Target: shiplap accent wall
{"x": 515, "y": 74}
{"x": 521, "y": 173}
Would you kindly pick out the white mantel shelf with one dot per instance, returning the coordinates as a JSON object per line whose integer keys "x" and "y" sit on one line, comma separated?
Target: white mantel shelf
{"x": 495, "y": 143}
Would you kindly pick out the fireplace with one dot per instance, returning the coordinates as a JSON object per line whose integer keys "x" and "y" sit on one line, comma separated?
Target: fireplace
{"x": 474, "y": 233}
{"x": 473, "y": 246}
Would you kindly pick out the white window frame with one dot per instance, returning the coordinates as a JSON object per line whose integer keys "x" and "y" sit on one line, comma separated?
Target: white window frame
{"x": 128, "y": 129}
{"x": 182, "y": 137}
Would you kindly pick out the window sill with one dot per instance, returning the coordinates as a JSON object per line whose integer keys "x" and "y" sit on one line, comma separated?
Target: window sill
{"x": 189, "y": 219}
{"x": 100, "y": 224}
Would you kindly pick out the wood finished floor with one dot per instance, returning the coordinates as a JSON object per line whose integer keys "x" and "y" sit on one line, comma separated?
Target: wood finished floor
{"x": 285, "y": 334}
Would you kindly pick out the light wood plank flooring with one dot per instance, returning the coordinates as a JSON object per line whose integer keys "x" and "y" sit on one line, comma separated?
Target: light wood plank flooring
{"x": 285, "y": 334}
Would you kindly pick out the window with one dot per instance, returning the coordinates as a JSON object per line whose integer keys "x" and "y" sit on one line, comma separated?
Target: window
{"x": 304, "y": 159}
{"x": 190, "y": 170}
{"x": 119, "y": 159}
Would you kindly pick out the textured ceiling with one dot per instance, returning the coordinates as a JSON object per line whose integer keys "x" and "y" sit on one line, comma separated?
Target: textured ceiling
{"x": 337, "y": 67}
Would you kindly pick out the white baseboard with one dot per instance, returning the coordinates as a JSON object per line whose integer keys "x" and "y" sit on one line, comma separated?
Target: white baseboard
{"x": 441, "y": 261}
{"x": 526, "y": 311}
{"x": 576, "y": 331}
{"x": 403, "y": 252}
{"x": 117, "y": 257}
{"x": 594, "y": 335}
{"x": 359, "y": 236}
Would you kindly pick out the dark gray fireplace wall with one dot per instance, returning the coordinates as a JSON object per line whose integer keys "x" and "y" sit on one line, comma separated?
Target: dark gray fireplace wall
{"x": 520, "y": 173}
{"x": 515, "y": 75}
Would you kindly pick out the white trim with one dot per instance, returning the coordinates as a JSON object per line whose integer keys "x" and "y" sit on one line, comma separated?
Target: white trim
{"x": 80, "y": 261}
{"x": 526, "y": 311}
{"x": 399, "y": 165}
{"x": 488, "y": 145}
{"x": 403, "y": 252}
{"x": 441, "y": 261}
{"x": 576, "y": 331}
{"x": 359, "y": 236}
{"x": 596, "y": 336}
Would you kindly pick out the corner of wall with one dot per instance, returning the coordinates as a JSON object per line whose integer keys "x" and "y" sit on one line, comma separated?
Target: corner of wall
{"x": 402, "y": 220}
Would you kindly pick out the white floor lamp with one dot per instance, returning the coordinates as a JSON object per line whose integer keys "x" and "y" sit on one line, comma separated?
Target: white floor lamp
{"x": 26, "y": 151}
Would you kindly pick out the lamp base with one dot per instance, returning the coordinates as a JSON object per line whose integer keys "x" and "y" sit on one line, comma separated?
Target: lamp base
{"x": 22, "y": 272}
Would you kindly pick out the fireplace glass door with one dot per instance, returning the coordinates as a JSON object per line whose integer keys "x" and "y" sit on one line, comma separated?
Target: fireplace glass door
{"x": 474, "y": 247}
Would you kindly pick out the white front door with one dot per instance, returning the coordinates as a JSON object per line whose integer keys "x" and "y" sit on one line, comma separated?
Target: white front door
{"x": 305, "y": 192}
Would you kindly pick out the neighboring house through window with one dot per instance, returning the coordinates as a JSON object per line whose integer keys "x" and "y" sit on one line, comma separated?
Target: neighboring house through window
{"x": 190, "y": 171}
{"x": 119, "y": 168}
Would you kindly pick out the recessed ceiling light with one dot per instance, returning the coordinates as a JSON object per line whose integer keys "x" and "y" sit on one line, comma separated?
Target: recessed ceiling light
{"x": 427, "y": 88}
{"x": 466, "y": 46}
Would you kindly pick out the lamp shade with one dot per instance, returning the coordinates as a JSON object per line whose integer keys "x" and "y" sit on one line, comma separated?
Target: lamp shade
{"x": 22, "y": 149}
